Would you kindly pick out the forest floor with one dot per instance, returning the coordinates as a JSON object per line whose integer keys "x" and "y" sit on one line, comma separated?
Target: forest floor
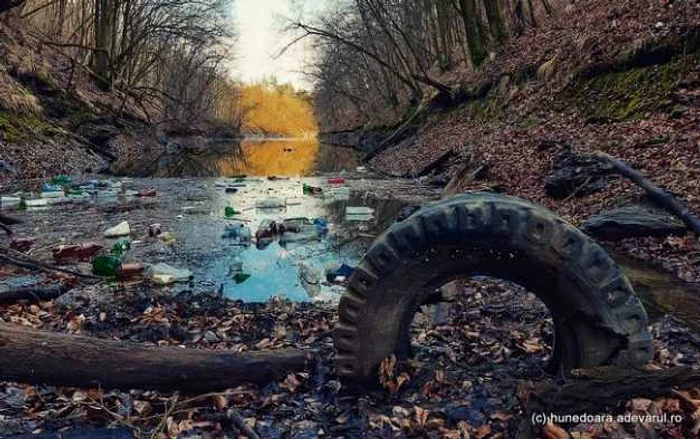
{"x": 477, "y": 359}
{"x": 471, "y": 376}
{"x": 471, "y": 372}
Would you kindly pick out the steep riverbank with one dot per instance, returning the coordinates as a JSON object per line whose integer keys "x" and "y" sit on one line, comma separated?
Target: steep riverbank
{"x": 613, "y": 80}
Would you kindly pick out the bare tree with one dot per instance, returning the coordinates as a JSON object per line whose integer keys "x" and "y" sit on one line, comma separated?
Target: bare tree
{"x": 388, "y": 55}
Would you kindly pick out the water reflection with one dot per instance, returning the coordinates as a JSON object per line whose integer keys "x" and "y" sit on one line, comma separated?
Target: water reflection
{"x": 211, "y": 160}
{"x": 281, "y": 157}
{"x": 295, "y": 157}
{"x": 276, "y": 267}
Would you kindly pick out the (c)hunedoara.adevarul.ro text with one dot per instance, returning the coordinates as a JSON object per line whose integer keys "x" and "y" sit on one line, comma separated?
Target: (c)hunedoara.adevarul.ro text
{"x": 601, "y": 418}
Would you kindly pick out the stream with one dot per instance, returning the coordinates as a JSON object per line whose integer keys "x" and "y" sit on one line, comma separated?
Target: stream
{"x": 193, "y": 210}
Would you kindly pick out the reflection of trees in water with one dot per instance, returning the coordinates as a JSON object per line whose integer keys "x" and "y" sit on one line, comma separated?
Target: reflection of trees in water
{"x": 337, "y": 158}
{"x": 276, "y": 157}
{"x": 211, "y": 160}
{"x": 198, "y": 157}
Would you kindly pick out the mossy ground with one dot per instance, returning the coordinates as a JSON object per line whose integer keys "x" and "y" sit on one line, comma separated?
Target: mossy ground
{"x": 15, "y": 128}
{"x": 628, "y": 94}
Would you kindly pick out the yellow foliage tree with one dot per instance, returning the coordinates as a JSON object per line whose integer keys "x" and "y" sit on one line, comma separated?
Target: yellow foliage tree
{"x": 272, "y": 108}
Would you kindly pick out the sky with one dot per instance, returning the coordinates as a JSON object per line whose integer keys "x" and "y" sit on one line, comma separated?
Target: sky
{"x": 259, "y": 26}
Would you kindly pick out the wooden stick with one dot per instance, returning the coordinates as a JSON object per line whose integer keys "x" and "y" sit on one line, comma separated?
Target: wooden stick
{"x": 6, "y": 221}
{"x": 7, "y": 230}
{"x": 60, "y": 359}
{"x": 32, "y": 294}
{"x": 25, "y": 261}
{"x": 656, "y": 194}
{"x": 461, "y": 178}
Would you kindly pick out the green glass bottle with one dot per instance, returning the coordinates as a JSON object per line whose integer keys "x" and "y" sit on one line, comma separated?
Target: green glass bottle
{"x": 106, "y": 265}
{"x": 22, "y": 204}
{"x": 120, "y": 247}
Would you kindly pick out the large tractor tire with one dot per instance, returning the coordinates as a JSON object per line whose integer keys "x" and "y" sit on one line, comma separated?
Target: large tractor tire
{"x": 597, "y": 317}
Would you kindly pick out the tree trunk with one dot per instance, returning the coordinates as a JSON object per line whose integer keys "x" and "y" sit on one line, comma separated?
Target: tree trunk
{"x": 445, "y": 34}
{"x": 475, "y": 41}
{"x": 104, "y": 26}
{"x": 59, "y": 359}
{"x": 531, "y": 11}
{"x": 496, "y": 22}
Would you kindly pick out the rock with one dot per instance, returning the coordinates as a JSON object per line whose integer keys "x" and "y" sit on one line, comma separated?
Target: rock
{"x": 121, "y": 229}
{"x": 325, "y": 297}
{"x": 12, "y": 397}
{"x": 576, "y": 173}
{"x": 632, "y": 221}
{"x": 93, "y": 294}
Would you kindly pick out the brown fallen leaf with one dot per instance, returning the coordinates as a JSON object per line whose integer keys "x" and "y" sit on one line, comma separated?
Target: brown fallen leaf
{"x": 421, "y": 416}
{"x": 483, "y": 431}
{"x": 553, "y": 431}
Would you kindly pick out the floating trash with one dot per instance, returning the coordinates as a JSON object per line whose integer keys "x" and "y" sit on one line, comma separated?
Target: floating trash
{"x": 121, "y": 229}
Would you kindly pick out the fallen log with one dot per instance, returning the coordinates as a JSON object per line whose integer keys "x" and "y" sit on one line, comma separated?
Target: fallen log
{"x": 604, "y": 390}
{"x": 103, "y": 433}
{"x": 32, "y": 294}
{"x": 58, "y": 359}
{"x": 656, "y": 194}
{"x": 6, "y": 221}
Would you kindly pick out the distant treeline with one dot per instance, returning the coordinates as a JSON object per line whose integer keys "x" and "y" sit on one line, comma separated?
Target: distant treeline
{"x": 277, "y": 109}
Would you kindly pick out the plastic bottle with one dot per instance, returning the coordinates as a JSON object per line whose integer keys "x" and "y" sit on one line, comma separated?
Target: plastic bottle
{"x": 62, "y": 180}
{"x": 236, "y": 266}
